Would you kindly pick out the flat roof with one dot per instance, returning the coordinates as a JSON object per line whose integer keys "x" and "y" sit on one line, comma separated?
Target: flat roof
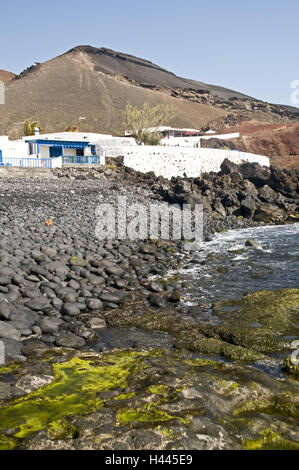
{"x": 68, "y": 136}
{"x": 166, "y": 128}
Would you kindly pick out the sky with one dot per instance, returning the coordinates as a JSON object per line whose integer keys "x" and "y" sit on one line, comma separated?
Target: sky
{"x": 248, "y": 46}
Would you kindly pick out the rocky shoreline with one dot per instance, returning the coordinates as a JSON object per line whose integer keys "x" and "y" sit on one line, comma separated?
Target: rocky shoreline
{"x": 61, "y": 290}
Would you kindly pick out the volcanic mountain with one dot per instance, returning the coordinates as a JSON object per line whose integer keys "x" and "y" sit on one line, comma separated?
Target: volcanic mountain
{"x": 88, "y": 87}
{"x": 5, "y": 76}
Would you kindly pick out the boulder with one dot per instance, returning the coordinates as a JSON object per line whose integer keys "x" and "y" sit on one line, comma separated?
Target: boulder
{"x": 269, "y": 213}
{"x": 13, "y": 350}
{"x": 6, "y": 310}
{"x": 257, "y": 174}
{"x": 69, "y": 340}
{"x": 38, "y": 303}
{"x": 227, "y": 167}
{"x": 94, "y": 304}
{"x": 8, "y": 331}
{"x": 248, "y": 206}
{"x": 267, "y": 194}
{"x": 50, "y": 324}
{"x": 73, "y": 309}
{"x": 156, "y": 300}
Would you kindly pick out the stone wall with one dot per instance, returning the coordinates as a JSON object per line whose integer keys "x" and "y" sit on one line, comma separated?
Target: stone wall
{"x": 177, "y": 161}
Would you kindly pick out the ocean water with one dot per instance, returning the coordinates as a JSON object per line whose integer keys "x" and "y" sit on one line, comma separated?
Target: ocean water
{"x": 225, "y": 268}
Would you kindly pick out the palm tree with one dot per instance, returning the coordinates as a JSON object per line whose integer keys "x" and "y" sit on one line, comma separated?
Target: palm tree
{"x": 29, "y": 127}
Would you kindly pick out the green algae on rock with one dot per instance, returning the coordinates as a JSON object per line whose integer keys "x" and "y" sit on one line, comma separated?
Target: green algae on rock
{"x": 146, "y": 414}
{"x": 289, "y": 367}
{"x": 270, "y": 440}
{"x": 276, "y": 312}
{"x": 163, "y": 398}
{"x": 74, "y": 391}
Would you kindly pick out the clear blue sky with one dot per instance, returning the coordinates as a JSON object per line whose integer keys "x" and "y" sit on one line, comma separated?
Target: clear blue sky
{"x": 251, "y": 46}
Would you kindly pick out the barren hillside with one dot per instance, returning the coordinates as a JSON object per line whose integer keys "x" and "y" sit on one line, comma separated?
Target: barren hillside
{"x": 89, "y": 87}
{"x": 5, "y": 76}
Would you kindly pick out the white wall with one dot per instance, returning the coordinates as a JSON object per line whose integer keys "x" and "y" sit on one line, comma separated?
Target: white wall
{"x": 195, "y": 141}
{"x": 56, "y": 162}
{"x": 175, "y": 161}
{"x": 13, "y": 148}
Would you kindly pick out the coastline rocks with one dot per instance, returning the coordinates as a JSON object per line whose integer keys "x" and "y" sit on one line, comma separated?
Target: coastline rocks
{"x": 269, "y": 213}
{"x": 8, "y": 331}
{"x": 38, "y": 304}
{"x": 73, "y": 309}
{"x": 33, "y": 348}
{"x": 13, "y": 350}
{"x": 70, "y": 340}
{"x": 50, "y": 276}
{"x": 156, "y": 300}
{"x": 6, "y": 310}
{"x": 94, "y": 304}
{"x": 50, "y": 324}
{"x": 253, "y": 244}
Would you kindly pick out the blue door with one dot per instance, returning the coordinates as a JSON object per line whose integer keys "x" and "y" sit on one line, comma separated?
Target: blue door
{"x": 0, "y": 157}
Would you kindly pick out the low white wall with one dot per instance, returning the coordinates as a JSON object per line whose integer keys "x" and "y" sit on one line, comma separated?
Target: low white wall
{"x": 235, "y": 135}
{"x": 56, "y": 162}
{"x": 176, "y": 161}
{"x": 13, "y": 148}
{"x": 195, "y": 141}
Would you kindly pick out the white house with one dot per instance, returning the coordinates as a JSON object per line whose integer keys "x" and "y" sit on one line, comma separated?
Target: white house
{"x": 72, "y": 147}
{"x": 12, "y": 148}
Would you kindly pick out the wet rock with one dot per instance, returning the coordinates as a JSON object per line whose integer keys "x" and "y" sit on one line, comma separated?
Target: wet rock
{"x": 34, "y": 348}
{"x": 157, "y": 300}
{"x": 253, "y": 244}
{"x": 156, "y": 286}
{"x": 6, "y": 391}
{"x": 268, "y": 212}
{"x": 69, "y": 340}
{"x": 13, "y": 350}
{"x": 291, "y": 366}
{"x": 29, "y": 383}
{"x": 97, "y": 323}
{"x": 175, "y": 297}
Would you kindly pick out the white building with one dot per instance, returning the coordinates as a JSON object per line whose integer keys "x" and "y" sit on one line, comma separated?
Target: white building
{"x": 12, "y": 148}
{"x": 176, "y": 137}
{"x": 72, "y": 147}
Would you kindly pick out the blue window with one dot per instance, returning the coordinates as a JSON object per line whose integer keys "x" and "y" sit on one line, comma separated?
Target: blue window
{"x": 56, "y": 152}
